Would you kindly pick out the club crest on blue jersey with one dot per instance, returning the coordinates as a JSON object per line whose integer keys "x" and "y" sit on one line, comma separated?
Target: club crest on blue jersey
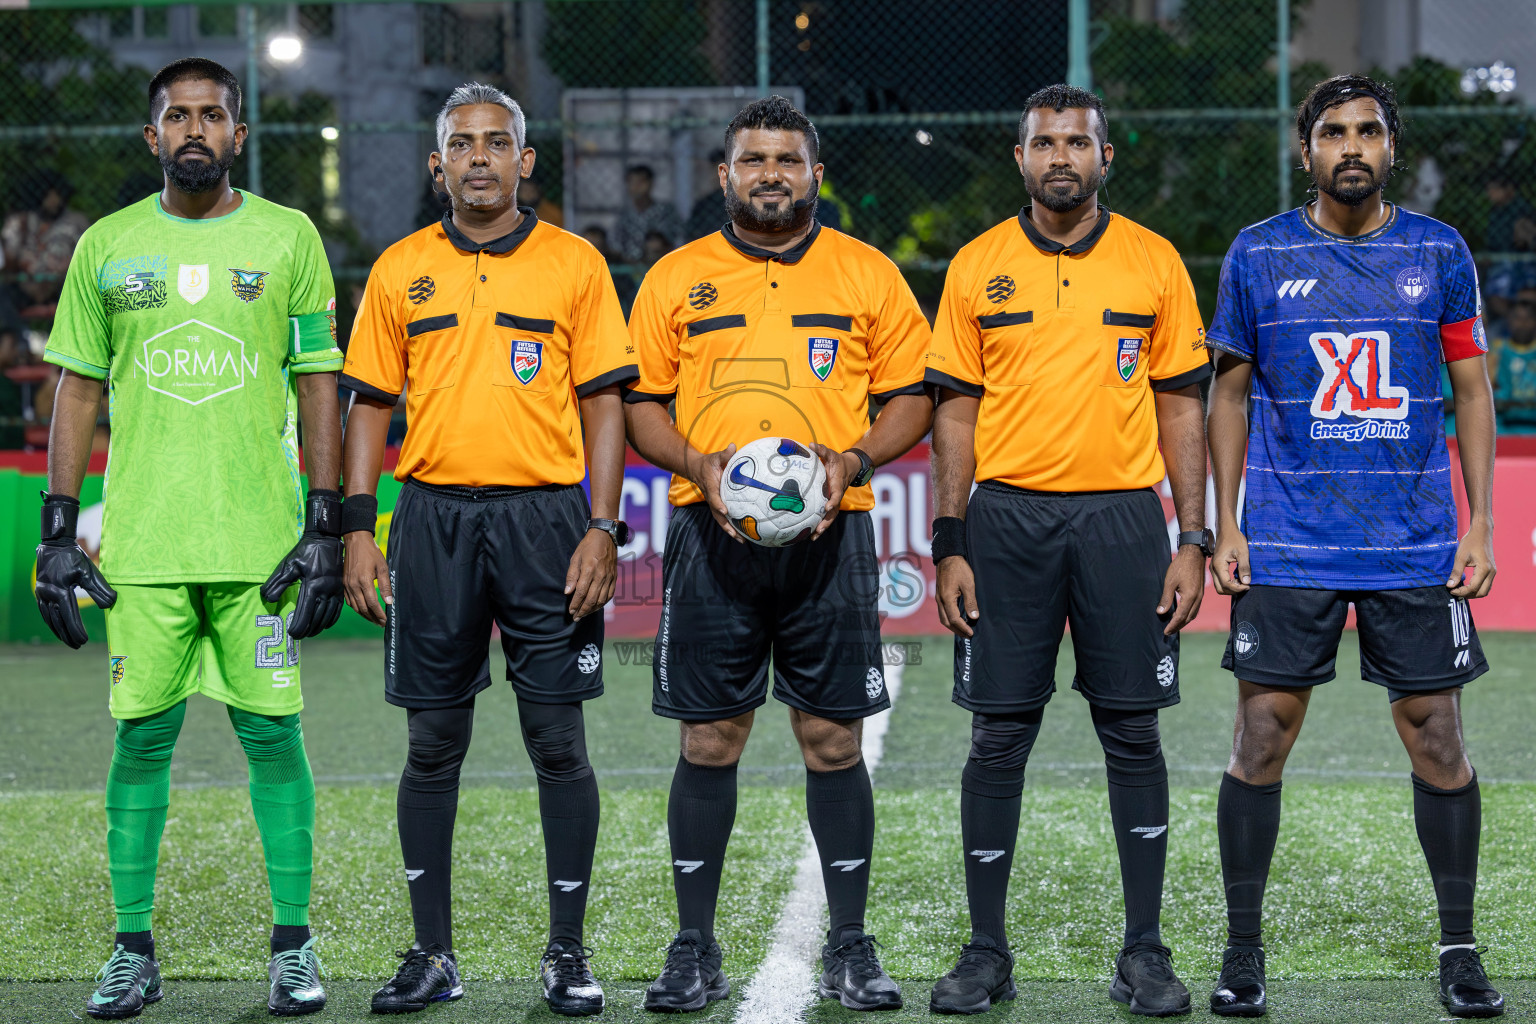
{"x": 1127, "y": 356}
{"x": 823, "y": 354}
{"x": 1479, "y": 336}
{"x": 527, "y": 359}
{"x": 1413, "y": 284}
{"x": 248, "y": 284}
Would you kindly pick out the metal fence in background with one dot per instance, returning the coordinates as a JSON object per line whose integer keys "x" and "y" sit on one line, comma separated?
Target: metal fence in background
{"x": 916, "y": 102}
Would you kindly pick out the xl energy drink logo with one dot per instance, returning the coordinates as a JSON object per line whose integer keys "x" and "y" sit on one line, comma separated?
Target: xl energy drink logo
{"x": 1357, "y": 382}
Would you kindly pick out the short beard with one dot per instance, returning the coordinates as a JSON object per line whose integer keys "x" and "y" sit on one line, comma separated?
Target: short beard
{"x": 1058, "y": 203}
{"x": 485, "y": 200}
{"x": 790, "y": 218}
{"x": 195, "y": 177}
{"x": 1353, "y": 195}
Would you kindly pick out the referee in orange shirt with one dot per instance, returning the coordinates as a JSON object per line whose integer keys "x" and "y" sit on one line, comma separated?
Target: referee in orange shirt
{"x": 773, "y": 325}
{"x": 506, "y": 335}
{"x": 1068, "y": 347}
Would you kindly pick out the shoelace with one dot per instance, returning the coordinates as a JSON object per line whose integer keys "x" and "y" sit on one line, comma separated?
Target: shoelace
{"x": 1242, "y": 968}
{"x": 293, "y": 968}
{"x": 1467, "y": 970}
{"x": 569, "y": 965}
{"x": 860, "y": 955}
{"x": 975, "y": 960}
{"x": 417, "y": 963}
{"x": 1154, "y": 962}
{"x": 117, "y": 975}
{"x": 681, "y": 955}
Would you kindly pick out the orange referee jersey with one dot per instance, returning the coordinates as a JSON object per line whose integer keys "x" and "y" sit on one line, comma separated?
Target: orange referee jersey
{"x": 1065, "y": 345}
{"x": 754, "y": 343}
{"x": 493, "y": 344}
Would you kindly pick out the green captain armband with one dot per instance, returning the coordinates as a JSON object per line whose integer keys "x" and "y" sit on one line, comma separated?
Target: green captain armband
{"x": 312, "y": 339}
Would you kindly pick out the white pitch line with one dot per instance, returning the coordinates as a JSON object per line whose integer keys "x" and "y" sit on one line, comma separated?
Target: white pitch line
{"x": 784, "y": 985}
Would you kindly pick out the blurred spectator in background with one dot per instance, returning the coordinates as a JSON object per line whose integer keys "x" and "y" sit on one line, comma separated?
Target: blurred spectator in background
{"x": 40, "y": 237}
{"x": 598, "y": 236}
{"x": 708, "y": 214}
{"x": 656, "y": 246}
{"x": 1510, "y": 276}
{"x": 642, "y": 214}
{"x": 530, "y": 192}
{"x": 1507, "y": 205}
{"x": 625, "y": 283}
{"x": 12, "y": 404}
{"x": 1512, "y": 360}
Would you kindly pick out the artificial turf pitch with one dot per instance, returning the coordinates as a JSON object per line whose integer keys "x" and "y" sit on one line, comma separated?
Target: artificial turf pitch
{"x": 1350, "y": 921}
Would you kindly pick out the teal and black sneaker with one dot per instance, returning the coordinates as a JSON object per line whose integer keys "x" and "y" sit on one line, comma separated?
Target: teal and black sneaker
{"x": 295, "y": 975}
{"x": 126, "y": 982}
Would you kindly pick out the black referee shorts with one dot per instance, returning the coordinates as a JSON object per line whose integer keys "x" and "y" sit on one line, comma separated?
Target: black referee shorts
{"x": 729, "y": 606}
{"x": 1042, "y": 561}
{"x": 461, "y": 558}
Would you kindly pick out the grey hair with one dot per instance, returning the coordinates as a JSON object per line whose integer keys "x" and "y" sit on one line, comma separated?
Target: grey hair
{"x": 475, "y": 92}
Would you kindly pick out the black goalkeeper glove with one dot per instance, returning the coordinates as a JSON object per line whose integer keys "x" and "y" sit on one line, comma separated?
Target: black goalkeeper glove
{"x": 314, "y": 563}
{"x": 61, "y": 567}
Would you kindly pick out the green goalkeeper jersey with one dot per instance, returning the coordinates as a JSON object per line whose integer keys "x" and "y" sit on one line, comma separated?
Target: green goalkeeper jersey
{"x": 199, "y": 327}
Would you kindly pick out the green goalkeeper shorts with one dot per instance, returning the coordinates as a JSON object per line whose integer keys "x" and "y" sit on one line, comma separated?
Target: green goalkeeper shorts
{"x": 220, "y": 639}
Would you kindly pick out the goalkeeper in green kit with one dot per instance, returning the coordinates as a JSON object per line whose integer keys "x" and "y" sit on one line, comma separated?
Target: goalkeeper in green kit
{"x": 209, "y": 313}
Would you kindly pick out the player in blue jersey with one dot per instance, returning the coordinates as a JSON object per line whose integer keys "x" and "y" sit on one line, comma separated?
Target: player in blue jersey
{"x": 1334, "y": 319}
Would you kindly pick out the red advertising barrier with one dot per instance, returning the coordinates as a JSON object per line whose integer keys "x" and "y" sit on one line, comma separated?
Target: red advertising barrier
{"x": 903, "y": 514}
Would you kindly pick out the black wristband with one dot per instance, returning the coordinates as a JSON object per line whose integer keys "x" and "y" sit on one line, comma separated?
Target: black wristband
{"x": 322, "y": 513}
{"x": 948, "y": 538}
{"x": 61, "y": 518}
{"x": 359, "y": 512}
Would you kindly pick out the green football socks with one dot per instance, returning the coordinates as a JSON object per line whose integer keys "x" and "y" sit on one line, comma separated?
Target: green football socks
{"x": 138, "y": 793}
{"x": 283, "y": 802}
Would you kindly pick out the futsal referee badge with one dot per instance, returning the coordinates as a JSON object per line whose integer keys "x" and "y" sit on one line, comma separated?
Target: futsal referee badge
{"x": 527, "y": 358}
{"x": 1129, "y": 356}
{"x": 823, "y": 353}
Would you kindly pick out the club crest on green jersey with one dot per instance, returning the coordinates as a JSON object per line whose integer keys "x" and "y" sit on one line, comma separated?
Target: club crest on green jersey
{"x": 119, "y": 665}
{"x": 248, "y": 284}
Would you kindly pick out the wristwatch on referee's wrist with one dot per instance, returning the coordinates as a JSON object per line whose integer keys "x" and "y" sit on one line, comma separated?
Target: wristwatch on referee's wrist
{"x": 1205, "y": 540}
{"x": 866, "y": 468}
{"x": 618, "y": 529}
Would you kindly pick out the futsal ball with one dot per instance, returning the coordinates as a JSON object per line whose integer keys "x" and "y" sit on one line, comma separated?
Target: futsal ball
{"x": 773, "y": 491}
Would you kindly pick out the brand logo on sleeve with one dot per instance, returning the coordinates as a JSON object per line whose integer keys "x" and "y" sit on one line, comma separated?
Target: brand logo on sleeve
{"x": 527, "y": 359}
{"x": 702, "y": 295}
{"x": 1128, "y": 355}
{"x": 192, "y": 282}
{"x": 823, "y": 353}
{"x": 248, "y": 284}
{"x": 1000, "y": 289}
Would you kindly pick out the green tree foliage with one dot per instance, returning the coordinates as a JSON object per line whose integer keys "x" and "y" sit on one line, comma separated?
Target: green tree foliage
{"x": 645, "y": 43}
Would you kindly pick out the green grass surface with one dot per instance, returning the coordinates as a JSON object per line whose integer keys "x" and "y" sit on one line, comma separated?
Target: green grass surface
{"x": 1349, "y": 917}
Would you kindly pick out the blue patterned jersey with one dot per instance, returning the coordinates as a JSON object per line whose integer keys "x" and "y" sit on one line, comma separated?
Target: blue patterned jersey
{"x": 1348, "y": 478}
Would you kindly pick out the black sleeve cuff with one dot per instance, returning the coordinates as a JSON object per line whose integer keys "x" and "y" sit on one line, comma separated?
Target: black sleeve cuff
{"x": 1183, "y": 380}
{"x": 917, "y": 388}
{"x": 633, "y": 397}
{"x": 367, "y": 390}
{"x": 955, "y": 384}
{"x": 621, "y": 375}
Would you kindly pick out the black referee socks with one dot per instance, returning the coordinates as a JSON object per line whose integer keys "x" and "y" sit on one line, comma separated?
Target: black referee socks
{"x": 1450, "y": 823}
{"x": 989, "y": 828}
{"x": 700, "y": 813}
{"x": 840, "y": 806}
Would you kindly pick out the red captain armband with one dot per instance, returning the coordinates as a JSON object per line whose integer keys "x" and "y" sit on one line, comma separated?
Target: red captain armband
{"x": 1463, "y": 340}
